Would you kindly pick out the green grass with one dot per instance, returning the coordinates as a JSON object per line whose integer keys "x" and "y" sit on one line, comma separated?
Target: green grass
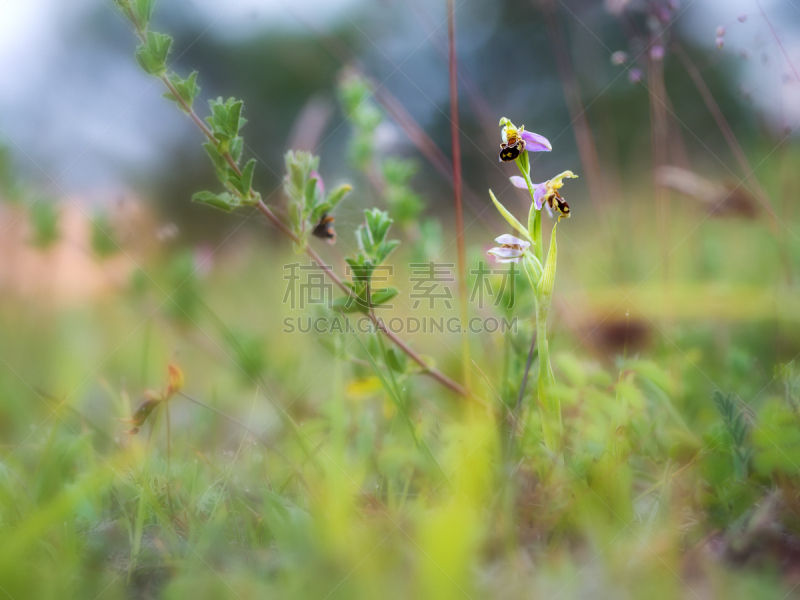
{"x": 364, "y": 482}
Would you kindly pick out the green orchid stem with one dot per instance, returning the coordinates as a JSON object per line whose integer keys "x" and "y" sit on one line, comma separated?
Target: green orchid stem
{"x": 549, "y": 403}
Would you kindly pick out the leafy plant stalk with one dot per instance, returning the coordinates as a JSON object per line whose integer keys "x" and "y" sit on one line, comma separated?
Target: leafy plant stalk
{"x": 247, "y": 194}
{"x": 542, "y": 280}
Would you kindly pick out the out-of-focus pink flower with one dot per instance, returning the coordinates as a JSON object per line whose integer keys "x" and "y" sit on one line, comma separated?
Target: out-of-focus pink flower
{"x": 720, "y": 42}
{"x": 635, "y": 75}
{"x": 320, "y": 184}
{"x": 619, "y": 58}
{"x": 204, "y": 259}
{"x": 720, "y": 31}
{"x": 657, "y": 52}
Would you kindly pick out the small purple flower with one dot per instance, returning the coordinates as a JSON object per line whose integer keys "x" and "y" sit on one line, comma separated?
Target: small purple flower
{"x": 657, "y": 52}
{"x": 510, "y": 250}
{"x": 664, "y": 14}
{"x": 635, "y": 75}
{"x": 742, "y": 18}
{"x": 619, "y": 58}
{"x": 720, "y": 31}
{"x": 720, "y": 43}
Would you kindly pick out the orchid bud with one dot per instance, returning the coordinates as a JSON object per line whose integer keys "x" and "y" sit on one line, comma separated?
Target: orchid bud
{"x": 720, "y": 42}
{"x": 720, "y": 31}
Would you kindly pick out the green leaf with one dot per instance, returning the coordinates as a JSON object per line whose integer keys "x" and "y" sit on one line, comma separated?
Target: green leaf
{"x": 383, "y": 296}
{"x": 338, "y": 194}
{"x": 143, "y": 10}
{"x": 549, "y": 276}
{"x": 512, "y": 220}
{"x": 152, "y": 55}
{"x": 347, "y": 305}
{"x": 247, "y": 176}
{"x": 311, "y": 193}
{"x": 226, "y": 118}
{"x": 384, "y": 250}
{"x": 533, "y": 270}
{"x": 243, "y": 183}
{"x": 187, "y": 89}
{"x": 235, "y": 147}
{"x": 223, "y": 201}
{"x": 220, "y": 164}
{"x": 396, "y": 360}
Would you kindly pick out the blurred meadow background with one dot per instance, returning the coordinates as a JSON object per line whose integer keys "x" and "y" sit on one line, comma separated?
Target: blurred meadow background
{"x": 165, "y": 433}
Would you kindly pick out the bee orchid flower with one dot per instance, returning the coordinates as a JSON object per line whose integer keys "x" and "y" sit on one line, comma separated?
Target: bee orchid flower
{"x": 510, "y": 250}
{"x": 516, "y": 140}
{"x": 547, "y": 194}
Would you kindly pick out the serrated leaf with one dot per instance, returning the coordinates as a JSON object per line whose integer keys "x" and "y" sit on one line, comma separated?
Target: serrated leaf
{"x": 143, "y": 9}
{"x": 152, "y": 55}
{"x": 226, "y": 118}
{"x": 385, "y": 249}
{"x": 244, "y": 182}
{"x": 219, "y": 162}
{"x": 223, "y": 201}
{"x": 187, "y": 89}
{"x": 311, "y": 193}
{"x": 235, "y": 147}
{"x": 512, "y": 220}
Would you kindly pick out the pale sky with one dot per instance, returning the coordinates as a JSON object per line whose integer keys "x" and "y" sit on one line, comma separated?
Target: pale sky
{"x": 93, "y": 121}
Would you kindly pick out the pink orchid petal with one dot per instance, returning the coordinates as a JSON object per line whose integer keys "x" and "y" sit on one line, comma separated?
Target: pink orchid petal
{"x": 535, "y": 142}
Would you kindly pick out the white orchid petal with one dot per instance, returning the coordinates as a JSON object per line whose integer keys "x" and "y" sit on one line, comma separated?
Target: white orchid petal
{"x": 506, "y": 252}
{"x": 509, "y": 240}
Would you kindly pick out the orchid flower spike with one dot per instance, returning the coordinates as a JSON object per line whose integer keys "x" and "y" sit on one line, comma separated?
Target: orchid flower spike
{"x": 547, "y": 194}
{"x": 517, "y": 140}
{"x": 510, "y": 250}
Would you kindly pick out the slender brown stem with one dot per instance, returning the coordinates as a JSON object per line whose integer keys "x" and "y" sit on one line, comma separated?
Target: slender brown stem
{"x": 456, "y": 145}
{"x": 725, "y": 128}
{"x": 778, "y": 39}
{"x": 478, "y": 102}
{"x": 397, "y": 112}
{"x": 285, "y": 230}
{"x": 587, "y": 150}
